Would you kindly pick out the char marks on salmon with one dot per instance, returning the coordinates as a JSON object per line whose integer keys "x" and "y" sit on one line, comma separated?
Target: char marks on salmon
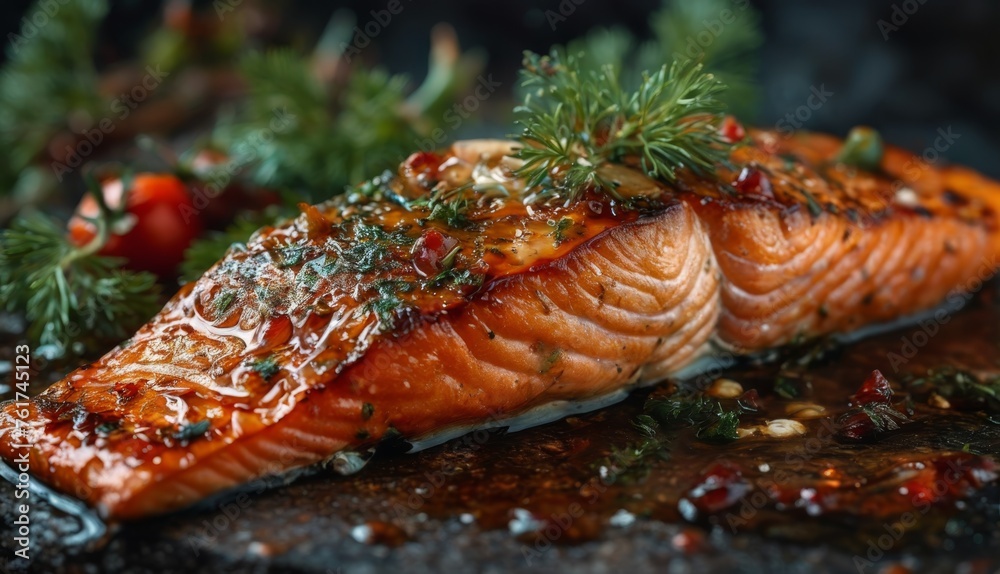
{"x": 394, "y": 311}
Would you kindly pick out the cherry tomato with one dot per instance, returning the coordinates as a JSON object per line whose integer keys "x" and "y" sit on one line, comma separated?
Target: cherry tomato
{"x": 732, "y": 130}
{"x": 159, "y": 223}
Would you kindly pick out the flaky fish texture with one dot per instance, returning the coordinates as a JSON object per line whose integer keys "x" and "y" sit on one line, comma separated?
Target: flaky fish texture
{"x": 385, "y": 312}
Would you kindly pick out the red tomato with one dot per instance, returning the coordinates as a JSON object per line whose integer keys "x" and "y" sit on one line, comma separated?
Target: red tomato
{"x": 160, "y": 222}
{"x": 732, "y": 130}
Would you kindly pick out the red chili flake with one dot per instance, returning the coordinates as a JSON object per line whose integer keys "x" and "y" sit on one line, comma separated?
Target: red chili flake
{"x": 750, "y": 400}
{"x": 875, "y": 389}
{"x": 421, "y": 166}
{"x": 429, "y": 250}
{"x": 720, "y": 487}
{"x": 872, "y": 413}
{"x": 752, "y": 181}
{"x": 732, "y": 130}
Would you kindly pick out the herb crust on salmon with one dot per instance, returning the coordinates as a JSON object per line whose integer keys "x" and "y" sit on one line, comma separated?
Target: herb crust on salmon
{"x": 454, "y": 294}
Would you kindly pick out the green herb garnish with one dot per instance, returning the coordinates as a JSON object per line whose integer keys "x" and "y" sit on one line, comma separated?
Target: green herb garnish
{"x": 960, "y": 387}
{"x": 266, "y": 367}
{"x": 713, "y": 421}
{"x": 367, "y": 410}
{"x": 73, "y": 299}
{"x": 191, "y": 431}
{"x": 575, "y": 121}
{"x": 550, "y": 361}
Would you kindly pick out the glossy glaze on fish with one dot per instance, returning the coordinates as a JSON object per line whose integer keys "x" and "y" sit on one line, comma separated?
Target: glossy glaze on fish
{"x": 379, "y": 314}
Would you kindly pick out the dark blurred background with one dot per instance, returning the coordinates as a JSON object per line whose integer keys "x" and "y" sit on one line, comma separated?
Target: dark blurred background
{"x": 938, "y": 70}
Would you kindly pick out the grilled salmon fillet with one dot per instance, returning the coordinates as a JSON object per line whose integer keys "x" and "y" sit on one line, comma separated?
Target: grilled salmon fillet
{"x": 386, "y": 313}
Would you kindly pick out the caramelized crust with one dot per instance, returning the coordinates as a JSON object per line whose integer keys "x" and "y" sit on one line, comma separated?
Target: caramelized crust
{"x": 384, "y": 310}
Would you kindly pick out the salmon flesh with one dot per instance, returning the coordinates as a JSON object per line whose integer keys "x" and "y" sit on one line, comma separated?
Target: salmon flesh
{"x": 381, "y": 313}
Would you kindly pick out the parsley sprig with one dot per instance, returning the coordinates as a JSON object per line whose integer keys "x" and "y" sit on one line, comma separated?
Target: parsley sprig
{"x": 575, "y": 120}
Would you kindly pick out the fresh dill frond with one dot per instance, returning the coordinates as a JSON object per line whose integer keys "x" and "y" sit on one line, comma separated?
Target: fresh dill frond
{"x": 71, "y": 298}
{"x": 723, "y": 35}
{"x": 573, "y": 121}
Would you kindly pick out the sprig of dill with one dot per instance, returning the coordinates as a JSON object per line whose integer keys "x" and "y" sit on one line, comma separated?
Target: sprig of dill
{"x": 573, "y": 121}
{"x": 723, "y": 35}
{"x": 73, "y": 299}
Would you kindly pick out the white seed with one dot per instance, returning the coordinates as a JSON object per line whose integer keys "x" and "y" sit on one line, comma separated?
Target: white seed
{"x": 938, "y": 402}
{"x": 802, "y": 410}
{"x": 783, "y": 428}
{"x": 725, "y": 389}
{"x": 906, "y": 196}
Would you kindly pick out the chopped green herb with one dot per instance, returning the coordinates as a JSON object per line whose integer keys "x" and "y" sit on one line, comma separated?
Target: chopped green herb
{"x": 550, "y": 361}
{"x": 962, "y": 388}
{"x": 560, "y": 229}
{"x": 450, "y": 212}
{"x": 291, "y": 255}
{"x": 787, "y": 388}
{"x": 814, "y": 207}
{"x": 722, "y": 428}
{"x": 266, "y": 367}
{"x": 192, "y": 430}
{"x": 224, "y": 301}
{"x": 457, "y": 277}
{"x": 713, "y": 421}
{"x": 387, "y": 303}
{"x": 107, "y": 428}
{"x": 367, "y": 410}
